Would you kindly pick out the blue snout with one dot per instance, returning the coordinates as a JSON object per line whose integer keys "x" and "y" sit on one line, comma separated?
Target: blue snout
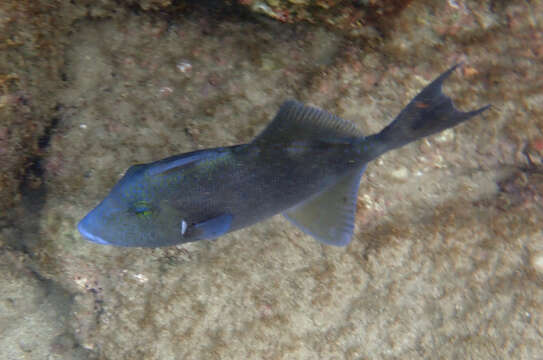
{"x": 86, "y": 227}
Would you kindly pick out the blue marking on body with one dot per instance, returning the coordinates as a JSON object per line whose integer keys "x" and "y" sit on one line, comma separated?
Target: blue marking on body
{"x": 171, "y": 163}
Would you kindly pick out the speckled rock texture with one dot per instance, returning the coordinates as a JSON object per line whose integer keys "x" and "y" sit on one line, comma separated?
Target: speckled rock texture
{"x": 447, "y": 257}
{"x": 28, "y": 31}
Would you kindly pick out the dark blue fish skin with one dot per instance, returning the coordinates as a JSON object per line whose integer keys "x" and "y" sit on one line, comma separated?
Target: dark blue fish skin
{"x": 304, "y": 154}
{"x": 244, "y": 181}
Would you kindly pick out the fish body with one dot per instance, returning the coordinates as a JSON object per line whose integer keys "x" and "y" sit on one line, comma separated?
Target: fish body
{"x": 306, "y": 164}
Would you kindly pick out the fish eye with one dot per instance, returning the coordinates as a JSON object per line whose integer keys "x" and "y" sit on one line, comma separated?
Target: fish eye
{"x": 142, "y": 208}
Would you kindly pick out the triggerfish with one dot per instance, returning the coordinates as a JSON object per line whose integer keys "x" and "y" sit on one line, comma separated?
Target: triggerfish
{"x": 306, "y": 164}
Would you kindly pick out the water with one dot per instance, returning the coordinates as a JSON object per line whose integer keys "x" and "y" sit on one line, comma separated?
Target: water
{"x": 446, "y": 259}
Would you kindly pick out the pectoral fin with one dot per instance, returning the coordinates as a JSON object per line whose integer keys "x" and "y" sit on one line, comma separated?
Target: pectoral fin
{"x": 329, "y": 216}
{"x": 212, "y": 228}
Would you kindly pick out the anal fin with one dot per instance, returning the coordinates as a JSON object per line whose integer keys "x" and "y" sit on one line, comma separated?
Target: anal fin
{"x": 329, "y": 216}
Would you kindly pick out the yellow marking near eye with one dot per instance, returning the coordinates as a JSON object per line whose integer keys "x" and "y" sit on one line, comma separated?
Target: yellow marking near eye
{"x": 144, "y": 214}
{"x": 142, "y": 209}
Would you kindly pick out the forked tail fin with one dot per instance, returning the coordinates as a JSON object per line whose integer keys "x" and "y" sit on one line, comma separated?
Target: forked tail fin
{"x": 428, "y": 113}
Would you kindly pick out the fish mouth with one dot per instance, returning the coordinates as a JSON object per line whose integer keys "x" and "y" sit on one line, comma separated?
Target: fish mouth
{"x": 83, "y": 228}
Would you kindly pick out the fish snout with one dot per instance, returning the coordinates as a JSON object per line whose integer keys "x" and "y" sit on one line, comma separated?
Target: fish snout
{"x": 87, "y": 228}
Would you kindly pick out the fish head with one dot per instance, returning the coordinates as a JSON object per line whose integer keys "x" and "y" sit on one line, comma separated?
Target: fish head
{"x": 132, "y": 215}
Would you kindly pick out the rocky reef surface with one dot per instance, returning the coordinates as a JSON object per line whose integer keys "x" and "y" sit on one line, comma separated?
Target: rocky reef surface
{"x": 447, "y": 259}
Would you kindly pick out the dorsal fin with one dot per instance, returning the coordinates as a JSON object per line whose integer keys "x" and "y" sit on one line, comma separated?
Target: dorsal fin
{"x": 329, "y": 216}
{"x": 295, "y": 121}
